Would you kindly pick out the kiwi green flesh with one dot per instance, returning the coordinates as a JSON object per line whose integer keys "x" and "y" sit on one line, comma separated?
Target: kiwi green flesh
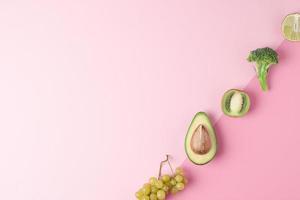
{"x": 201, "y": 118}
{"x": 226, "y": 100}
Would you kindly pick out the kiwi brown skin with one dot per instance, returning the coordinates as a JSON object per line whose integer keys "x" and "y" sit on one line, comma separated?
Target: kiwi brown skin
{"x": 229, "y": 93}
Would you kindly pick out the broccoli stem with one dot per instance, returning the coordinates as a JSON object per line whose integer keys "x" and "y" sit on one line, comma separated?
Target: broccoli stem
{"x": 262, "y": 76}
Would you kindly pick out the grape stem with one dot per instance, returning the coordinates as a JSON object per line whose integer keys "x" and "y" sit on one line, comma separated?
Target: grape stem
{"x": 162, "y": 164}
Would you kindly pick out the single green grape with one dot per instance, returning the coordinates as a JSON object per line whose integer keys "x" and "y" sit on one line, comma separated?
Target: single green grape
{"x": 139, "y": 194}
{"x": 173, "y": 181}
{"x": 153, "y": 197}
{"x": 159, "y": 184}
{"x": 165, "y": 178}
{"x": 174, "y": 190}
{"x": 168, "y": 184}
{"x": 161, "y": 195}
{"x": 145, "y": 198}
{"x": 146, "y": 189}
{"x": 179, "y": 178}
{"x": 179, "y": 186}
{"x": 152, "y": 180}
{"x": 166, "y": 188}
{"x": 153, "y": 189}
{"x": 179, "y": 171}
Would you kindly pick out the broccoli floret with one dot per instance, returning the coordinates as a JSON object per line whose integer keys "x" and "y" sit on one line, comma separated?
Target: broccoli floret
{"x": 264, "y": 58}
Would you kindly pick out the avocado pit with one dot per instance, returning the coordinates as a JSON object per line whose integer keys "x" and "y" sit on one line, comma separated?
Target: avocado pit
{"x": 200, "y": 142}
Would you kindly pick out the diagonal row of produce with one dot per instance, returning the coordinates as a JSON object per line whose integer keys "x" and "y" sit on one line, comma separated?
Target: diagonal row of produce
{"x": 201, "y": 141}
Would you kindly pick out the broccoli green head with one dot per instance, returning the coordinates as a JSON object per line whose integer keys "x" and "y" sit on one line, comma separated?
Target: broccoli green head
{"x": 264, "y": 58}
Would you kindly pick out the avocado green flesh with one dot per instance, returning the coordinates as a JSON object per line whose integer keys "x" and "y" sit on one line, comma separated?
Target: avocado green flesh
{"x": 235, "y": 103}
{"x": 201, "y": 118}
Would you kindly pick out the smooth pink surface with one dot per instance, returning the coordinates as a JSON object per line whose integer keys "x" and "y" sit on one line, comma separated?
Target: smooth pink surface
{"x": 94, "y": 93}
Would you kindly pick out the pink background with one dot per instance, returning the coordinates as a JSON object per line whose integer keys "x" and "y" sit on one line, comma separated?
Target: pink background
{"x": 95, "y": 93}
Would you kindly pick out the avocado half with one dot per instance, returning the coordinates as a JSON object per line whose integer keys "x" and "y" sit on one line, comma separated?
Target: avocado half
{"x": 235, "y": 103}
{"x": 200, "y": 140}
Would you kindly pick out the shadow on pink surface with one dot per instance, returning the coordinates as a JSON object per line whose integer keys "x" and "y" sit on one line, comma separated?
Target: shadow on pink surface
{"x": 258, "y": 154}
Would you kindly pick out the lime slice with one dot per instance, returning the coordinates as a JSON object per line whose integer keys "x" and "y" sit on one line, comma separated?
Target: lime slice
{"x": 291, "y": 27}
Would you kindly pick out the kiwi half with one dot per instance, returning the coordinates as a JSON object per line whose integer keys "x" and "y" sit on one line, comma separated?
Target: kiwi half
{"x": 235, "y": 103}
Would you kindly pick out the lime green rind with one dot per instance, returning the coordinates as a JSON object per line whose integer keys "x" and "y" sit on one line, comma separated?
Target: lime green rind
{"x": 287, "y": 29}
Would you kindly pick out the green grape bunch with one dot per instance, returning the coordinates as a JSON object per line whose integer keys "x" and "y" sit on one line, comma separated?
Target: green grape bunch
{"x": 159, "y": 188}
